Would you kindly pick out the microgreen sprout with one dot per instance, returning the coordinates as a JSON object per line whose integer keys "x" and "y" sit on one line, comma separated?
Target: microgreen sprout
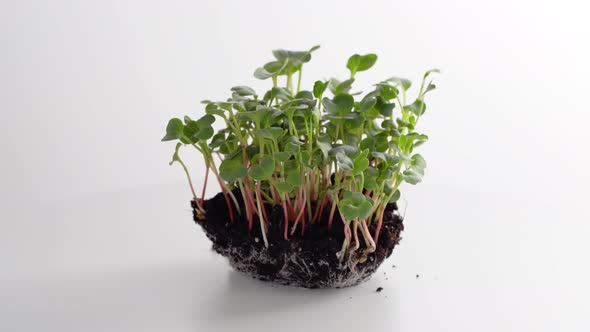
{"x": 308, "y": 151}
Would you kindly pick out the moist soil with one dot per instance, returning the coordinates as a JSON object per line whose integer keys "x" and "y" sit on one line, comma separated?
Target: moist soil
{"x": 309, "y": 260}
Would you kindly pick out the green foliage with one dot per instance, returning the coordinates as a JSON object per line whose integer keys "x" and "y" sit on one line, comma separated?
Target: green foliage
{"x": 355, "y": 205}
{"x": 231, "y": 170}
{"x": 299, "y": 145}
{"x": 358, "y": 63}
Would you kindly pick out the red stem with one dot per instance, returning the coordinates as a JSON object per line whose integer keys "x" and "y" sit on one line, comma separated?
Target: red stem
{"x": 249, "y": 201}
{"x": 332, "y": 210}
{"x": 286, "y": 215}
{"x": 228, "y": 202}
{"x": 303, "y": 218}
{"x": 190, "y": 183}
{"x": 320, "y": 209}
{"x": 378, "y": 228}
{"x": 300, "y": 215}
{"x": 355, "y": 227}
{"x": 205, "y": 184}
{"x": 259, "y": 198}
{"x": 291, "y": 209}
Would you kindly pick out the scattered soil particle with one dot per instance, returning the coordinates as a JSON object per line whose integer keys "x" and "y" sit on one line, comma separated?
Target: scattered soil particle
{"x": 379, "y": 289}
{"x": 308, "y": 260}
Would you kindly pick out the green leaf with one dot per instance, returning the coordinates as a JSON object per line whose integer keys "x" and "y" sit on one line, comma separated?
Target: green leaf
{"x": 418, "y": 107}
{"x": 429, "y": 88}
{"x": 283, "y": 187}
{"x": 263, "y": 170}
{"x": 387, "y": 91}
{"x": 368, "y": 102}
{"x": 355, "y": 205}
{"x": 213, "y": 109}
{"x": 217, "y": 140}
{"x": 395, "y": 197}
{"x": 403, "y": 82}
{"x": 364, "y": 209}
{"x": 418, "y": 161}
{"x": 293, "y": 172}
{"x": 385, "y": 108}
{"x": 231, "y": 170}
{"x": 262, "y": 74}
{"x": 174, "y": 130}
{"x": 344, "y": 162}
{"x": 282, "y": 155}
{"x": 344, "y": 86}
{"x": 324, "y": 142}
{"x": 272, "y": 133}
{"x": 341, "y": 104}
{"x": 434, "y": 70}
{"x": 204, "y": 133}
{"x": 318, "y": 88}
{"x": 411, "y": 176}
{"x": 243, "y": 90}
{"x": 361, "y": 162}
{"x": 270, "y": 69}
{"x": 348, "y": 209}
{"x": 367, "y": 143}
{"x": 370, "y": 175}
{"x": 358, "y": 63}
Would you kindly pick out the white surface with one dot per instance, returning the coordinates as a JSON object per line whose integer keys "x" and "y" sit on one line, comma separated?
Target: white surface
{"x": 95, "y": 235}
{"x": 134, "y": 261}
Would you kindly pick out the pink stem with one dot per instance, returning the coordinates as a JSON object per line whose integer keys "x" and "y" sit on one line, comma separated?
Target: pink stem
{"x": 286, "y": 214}
{"x": 303, "y": 218}
{"x": 320, "y": 209}
{"x": 259, "y": 198}
{"x": 291, "y": 209}
{"x": 205, "y": 184}
{"x": 228, "y": 202}
{"x": 332, "y": 210}
{"x": 379, "y": 223}
{"x": 249, "y": 201}
{"x": 299, "y": 216}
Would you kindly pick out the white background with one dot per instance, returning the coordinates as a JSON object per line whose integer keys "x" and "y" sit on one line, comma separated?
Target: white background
{"x": 95, "y": 230}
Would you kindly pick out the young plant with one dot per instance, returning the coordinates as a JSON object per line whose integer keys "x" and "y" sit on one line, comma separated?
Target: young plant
{"x": 310, "y": 151}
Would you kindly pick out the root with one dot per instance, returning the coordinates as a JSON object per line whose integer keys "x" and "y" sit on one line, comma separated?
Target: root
{"x": 357, "y": 244}
{"x": 346, "y": 242}
{"x": 371, "y": 246}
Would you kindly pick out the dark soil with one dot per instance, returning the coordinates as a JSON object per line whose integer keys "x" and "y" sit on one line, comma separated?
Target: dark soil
{"x": 308, "y": 261}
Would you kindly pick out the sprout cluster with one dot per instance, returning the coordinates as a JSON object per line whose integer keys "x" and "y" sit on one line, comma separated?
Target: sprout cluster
{"x": 309, "y": 150}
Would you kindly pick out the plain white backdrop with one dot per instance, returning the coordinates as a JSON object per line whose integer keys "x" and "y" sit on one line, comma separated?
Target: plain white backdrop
{"x": 86, "y": 192}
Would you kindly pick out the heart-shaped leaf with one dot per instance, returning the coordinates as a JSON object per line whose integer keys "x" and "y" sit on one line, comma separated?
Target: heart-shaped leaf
{"x": 231, "y": 170}
{"x": 263, "y": 170}
{"x": 358, "y": 63}
{"x": 174, "y": 130}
